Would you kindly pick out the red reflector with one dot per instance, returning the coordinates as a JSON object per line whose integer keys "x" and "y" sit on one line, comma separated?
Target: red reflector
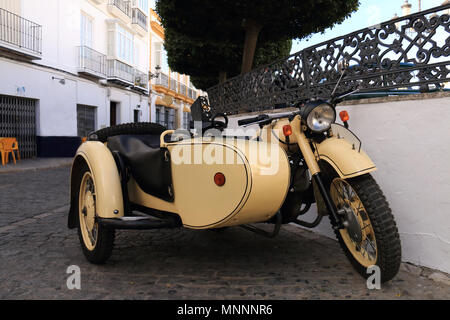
{"x": 287, "y": 130}
{"x": 219, "y": 179}
{"x": 344, "y": 116}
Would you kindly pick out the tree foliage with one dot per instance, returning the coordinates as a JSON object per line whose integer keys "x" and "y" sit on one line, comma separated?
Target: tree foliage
{"x": 251, "y": 22}
{"x": 204, "y": 61}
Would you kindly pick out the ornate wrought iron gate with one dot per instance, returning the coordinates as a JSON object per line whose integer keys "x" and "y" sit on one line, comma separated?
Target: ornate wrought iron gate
{"x": 18, "y": 119}
{"x": 407, "y": 52}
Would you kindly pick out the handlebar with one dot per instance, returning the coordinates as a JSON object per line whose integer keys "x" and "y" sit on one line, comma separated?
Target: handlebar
{"x": 262, "y": 118}
{"x": 246, "y": 121}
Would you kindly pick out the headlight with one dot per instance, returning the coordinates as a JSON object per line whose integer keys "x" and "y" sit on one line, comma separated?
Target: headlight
{"x": 320, "y": 118}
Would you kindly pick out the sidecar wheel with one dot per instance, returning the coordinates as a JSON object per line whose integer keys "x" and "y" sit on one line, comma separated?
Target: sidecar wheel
{"x": 371, "y": 236}
{"x": 97, "y": 241}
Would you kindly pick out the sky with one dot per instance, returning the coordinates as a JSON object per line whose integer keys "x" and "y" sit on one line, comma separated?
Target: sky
{"x": 370, "y": 12}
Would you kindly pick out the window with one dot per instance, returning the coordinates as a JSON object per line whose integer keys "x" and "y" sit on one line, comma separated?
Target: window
{"x": 136, "y": 54}
{"x": 143, "y": 5}
{"x": 165, "y": 117}
{"x": 125, "y": 47}
{"x": 136, "y": 115}
{"x": 186, "y": 120}
{"x": 159, "y": 118}
{"x": 157, "y": 49}
{"x": 86, "y": 31}
{"x": 86, "y": 116}
{"x": 160, "y": 57}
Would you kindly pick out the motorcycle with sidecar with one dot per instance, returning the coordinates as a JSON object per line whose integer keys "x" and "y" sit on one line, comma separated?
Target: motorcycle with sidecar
{"x": 142, "y": 176}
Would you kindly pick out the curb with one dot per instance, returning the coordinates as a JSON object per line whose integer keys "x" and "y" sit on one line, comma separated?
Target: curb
{"x": 36, "y": 168}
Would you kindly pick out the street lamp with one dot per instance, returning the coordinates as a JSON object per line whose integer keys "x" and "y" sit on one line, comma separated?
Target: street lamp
{"x": 155, "y": 75}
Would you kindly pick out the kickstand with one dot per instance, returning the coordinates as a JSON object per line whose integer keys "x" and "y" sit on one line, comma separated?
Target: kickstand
{"x": 264, "y": 233}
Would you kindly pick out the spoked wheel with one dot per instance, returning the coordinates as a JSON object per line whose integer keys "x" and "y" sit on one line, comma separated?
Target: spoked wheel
{"x": 370, "y": 236}
{"x": 96, "y": 240}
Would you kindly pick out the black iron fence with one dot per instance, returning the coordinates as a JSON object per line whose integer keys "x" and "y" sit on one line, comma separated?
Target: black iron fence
{"x": 20, "y": 32}
{"x": 408, "y": 52}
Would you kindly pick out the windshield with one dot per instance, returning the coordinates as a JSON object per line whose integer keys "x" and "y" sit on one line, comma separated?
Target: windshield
{"x": 341, "y": 132}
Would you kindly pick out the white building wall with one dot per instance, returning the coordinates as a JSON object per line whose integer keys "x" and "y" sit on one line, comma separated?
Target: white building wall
{"x": 409, "y": 141}
{"x": 61, "y": 34}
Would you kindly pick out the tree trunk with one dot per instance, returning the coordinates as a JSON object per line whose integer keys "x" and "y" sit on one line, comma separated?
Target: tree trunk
{"x": 222, "y": 76}
{"x": 252, "y": 29}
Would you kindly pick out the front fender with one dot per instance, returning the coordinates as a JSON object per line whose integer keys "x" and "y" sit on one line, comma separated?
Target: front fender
{"x": 346, "y": 161}
{"x": 109, "y": 198}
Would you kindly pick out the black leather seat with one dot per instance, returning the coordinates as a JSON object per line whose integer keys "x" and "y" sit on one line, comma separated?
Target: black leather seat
{"x": 148, "y": 163}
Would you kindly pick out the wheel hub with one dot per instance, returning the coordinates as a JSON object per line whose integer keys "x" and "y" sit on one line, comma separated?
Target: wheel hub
{"x": 352, "y": 224}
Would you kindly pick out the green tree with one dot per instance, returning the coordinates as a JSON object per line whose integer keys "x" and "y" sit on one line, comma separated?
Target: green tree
{"x": 209, "y": 63}
{"x": 250, "y": 22}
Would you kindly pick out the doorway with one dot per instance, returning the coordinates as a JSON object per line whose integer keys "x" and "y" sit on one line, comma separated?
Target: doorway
{"x": 112, "y": 113}
{"x": 18, "y": 120}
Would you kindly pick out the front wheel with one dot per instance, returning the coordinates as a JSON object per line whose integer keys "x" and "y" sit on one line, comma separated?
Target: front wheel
{"x": 370, "y": 236}
{"x": 96, "y": 240}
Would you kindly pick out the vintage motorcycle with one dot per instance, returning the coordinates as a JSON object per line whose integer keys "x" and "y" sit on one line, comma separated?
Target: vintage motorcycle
{"x": 142, "y": 176}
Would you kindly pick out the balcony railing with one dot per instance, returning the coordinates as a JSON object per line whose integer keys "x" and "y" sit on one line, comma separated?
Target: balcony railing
{"x": 162, "y": 80}
{"x": 20, "y": 33}
{"x": 183, "y": 89}
{"x": 120, "y": 71}
{"x": 141, "y": 79}
{"x": 91, "y": 61}
{"x": 192, "y": 94}
{"x": 122, "y": 5}
{"x": 173, "y": 85}
{"x": 139, "y": 18}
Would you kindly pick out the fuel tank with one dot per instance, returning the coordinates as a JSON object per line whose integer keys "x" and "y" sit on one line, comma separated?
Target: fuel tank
{"x": 256, "y": 178}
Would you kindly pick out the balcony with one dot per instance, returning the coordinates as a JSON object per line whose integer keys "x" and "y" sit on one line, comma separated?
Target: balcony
{"x": 91, "y": 62}
{"x": 120, "y": 73}
{"x": 141, "y": 81}
{"x": 173, "y": 85}
{"x": 192, "y": 94}
{"x": 19, "y": 36}
{"x": 120, "y": 9}
{"x": 183, "y": 89}
{"x": 161, "y": 84}
{"x": 162, "y": 80}
{"x": 139, "y": 22}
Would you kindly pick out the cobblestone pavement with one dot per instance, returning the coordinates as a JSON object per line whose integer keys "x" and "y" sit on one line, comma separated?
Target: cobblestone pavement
{"x": 36, "y": 248}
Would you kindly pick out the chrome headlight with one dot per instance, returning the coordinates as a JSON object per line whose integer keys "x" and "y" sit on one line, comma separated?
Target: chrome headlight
{"x": 320, "y": 117}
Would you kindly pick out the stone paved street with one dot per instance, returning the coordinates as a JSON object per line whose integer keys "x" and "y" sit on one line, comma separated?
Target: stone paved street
{"x": 36, "y": 248}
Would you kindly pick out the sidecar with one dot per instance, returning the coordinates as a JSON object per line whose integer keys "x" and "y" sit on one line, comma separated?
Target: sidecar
{"x": 140, "y": 176}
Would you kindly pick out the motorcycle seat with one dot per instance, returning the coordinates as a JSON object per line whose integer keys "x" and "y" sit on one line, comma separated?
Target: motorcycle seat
{"x": 148, "y": 163}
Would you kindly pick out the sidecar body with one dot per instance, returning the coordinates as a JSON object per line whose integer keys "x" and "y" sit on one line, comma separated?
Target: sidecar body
{"x": 205, "y": 183}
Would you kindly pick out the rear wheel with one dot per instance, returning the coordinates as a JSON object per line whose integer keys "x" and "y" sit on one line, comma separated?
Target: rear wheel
{"x": 97, "y": 241}
{"x": 370, "y": 236}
